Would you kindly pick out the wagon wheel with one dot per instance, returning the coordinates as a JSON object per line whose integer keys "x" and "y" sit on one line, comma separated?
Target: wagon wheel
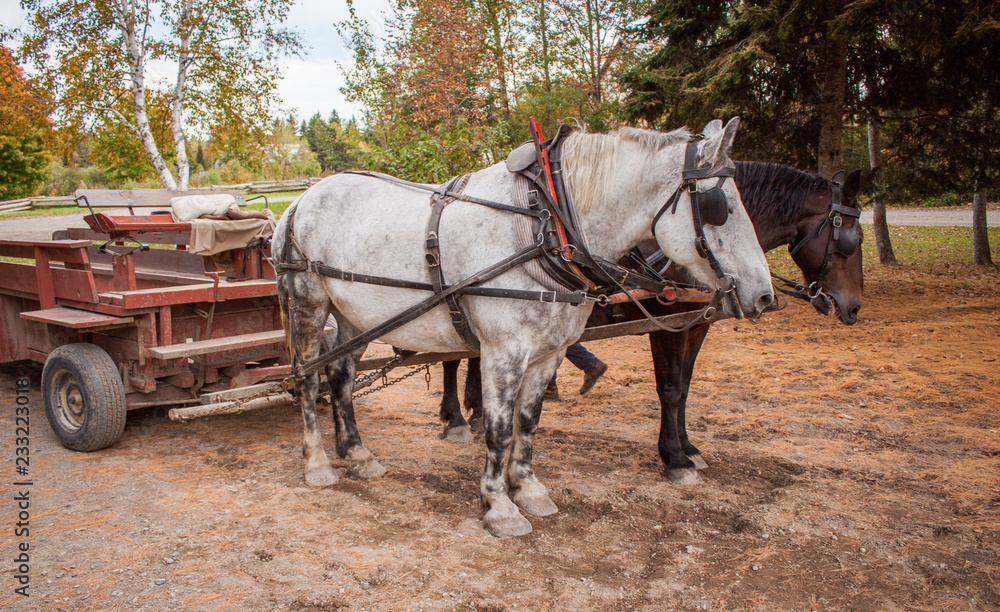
{"x": 84, "y": 397}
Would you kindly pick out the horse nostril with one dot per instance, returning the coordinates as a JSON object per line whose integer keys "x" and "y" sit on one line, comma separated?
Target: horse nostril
{"x": 764, "y": 302}
{"x": 854, "y": 311}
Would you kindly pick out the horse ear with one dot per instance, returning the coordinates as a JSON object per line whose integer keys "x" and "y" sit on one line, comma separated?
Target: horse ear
{"x": 712, "y": 128}
{"x": 838, "y": 177}
{"x": 719, "y": 142}
{"x": 728, "y": 136}
{"x": 852, "y": 185}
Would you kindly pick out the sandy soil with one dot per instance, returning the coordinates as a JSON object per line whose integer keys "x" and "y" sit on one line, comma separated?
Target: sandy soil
{"x": 849, "y": 469}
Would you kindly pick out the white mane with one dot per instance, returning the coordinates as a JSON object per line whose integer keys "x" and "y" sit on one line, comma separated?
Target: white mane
{"x": 589, "y": 159}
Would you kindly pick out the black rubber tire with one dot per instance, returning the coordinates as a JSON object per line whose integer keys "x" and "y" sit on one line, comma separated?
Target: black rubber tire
{"x": 84, "y": 397}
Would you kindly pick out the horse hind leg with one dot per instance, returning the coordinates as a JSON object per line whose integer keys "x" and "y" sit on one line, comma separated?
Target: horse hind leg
{"x": 340, "y": 377}
{"x": 304, "y": 311}
{"x": 529, "y": 494}
{"x": 451, "y": 411}
{"x": 474, "y": 394}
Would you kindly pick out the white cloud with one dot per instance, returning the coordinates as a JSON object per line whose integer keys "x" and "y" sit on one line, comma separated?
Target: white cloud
{"x": 311, "y": 87}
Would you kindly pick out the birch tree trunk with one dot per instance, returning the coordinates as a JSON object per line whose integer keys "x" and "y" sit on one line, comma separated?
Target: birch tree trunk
{"x": 883, "y": 243}
{"x": 177, "y": 101}
{"x": 126, "y": 21}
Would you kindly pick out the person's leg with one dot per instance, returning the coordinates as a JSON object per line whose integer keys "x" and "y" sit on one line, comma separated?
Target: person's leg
{"x": 579, "y": 356}
{"x": 592, "y": 367}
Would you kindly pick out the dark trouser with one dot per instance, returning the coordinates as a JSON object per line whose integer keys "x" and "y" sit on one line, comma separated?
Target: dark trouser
{"x": 579, "y": 356}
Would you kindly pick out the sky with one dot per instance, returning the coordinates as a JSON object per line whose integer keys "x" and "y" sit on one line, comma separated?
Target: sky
{"x": 311, "y": 83}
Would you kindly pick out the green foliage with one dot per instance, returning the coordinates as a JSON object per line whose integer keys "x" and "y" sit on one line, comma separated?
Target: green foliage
{"x": 22, "y": 166}
{"x": 333, "y": 152}
{"x": 23, "y": 131}
{"x": 64, "y": 180}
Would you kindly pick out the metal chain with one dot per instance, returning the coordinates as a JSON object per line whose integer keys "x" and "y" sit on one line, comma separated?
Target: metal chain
{"x": 388, "y": 383}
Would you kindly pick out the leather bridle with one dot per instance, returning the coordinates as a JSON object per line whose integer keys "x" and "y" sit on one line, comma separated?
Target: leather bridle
{"x": 841, "y": 240}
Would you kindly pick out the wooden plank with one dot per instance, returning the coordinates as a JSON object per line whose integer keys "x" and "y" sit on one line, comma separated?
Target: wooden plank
{"x": 216, "y": 345}
{"x": 58, "y": 250}
{"x": 125, "y": 198}
{"x": 204, "y": 347}
{"x": 74, "y": 319}
{"x": 645, "y": 326}
{"x": 82, "y": 233}
{"x": 146, "y": 298}
{"x": 133, "y": 224}
{"x": 77, "y": 285}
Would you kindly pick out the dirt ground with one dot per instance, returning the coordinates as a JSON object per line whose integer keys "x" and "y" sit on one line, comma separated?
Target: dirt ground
{"x": 849, "y": 469}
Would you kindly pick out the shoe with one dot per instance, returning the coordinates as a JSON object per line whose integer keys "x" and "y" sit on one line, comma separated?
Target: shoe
{"x": 591, "y": 376}
{"x": 551, "y": 391}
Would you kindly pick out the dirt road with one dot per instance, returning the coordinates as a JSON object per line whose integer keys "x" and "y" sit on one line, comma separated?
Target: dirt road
{"x": 849, "y": 469}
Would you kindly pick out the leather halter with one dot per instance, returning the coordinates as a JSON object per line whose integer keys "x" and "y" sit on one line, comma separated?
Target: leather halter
{"x": 842, "y": 241}
{"x": 690, "y": 176}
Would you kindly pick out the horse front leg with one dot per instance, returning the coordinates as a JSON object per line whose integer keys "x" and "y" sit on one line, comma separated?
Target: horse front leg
{"x": 695, "y": 340}
{"x": 340, "y": 377}
{"x": 529, "y": 494}
{"x": 669, "y": 355}
{"x": 502, "y": 373}
{"x": 305, "y": 309}
{"x": 451, "y": 411}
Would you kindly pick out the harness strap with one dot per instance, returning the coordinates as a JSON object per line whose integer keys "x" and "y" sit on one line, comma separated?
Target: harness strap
{"x": 411, "y": 313}
{"x": 432, "y": 246}
{"x": 561, "y": 297}
{"x": 458, "y": 196}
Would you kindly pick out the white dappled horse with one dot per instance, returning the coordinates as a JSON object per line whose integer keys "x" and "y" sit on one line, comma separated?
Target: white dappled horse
{"x": 618, "y": 182}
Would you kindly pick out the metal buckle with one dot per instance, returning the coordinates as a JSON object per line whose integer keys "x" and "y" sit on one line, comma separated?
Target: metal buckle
{"x": 570, "y": 249}
{"x": 838, "y": 221}
{"x": 691, "y": 186}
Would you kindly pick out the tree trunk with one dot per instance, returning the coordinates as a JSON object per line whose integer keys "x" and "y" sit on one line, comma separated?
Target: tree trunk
{"x": 886, "y": 256}
{"x": 546, "y": 77}
{"x": 177, "y": 101}
{"x": 831, "y": 107}
{"x": 499, "y": 57}
{"x": 137, "y": 76}
{"x": 980, "y": 235}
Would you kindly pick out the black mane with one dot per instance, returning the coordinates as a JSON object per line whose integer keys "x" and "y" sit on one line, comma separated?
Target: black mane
{"x": 774, "y": 194}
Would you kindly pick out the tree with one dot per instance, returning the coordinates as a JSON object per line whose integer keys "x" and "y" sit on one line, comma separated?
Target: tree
{"x": 780, "y": 62}
{"x": 95, "y": 53}
{"x": 333, "y": 152}
{"x": 923, "y": 63}
{"x": 24, "y": 128}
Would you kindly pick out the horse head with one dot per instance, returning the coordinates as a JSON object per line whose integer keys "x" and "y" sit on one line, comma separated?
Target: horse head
{"x": 827, "y": 246}
{"x": 725, "y": 253}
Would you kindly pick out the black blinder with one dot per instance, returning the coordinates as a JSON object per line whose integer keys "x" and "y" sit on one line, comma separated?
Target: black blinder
{"x": 713, "y": 206}
{"x": 848, "y": 242}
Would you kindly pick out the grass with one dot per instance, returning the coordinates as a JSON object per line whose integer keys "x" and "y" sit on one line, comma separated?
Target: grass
{"x": 936, "y": 251}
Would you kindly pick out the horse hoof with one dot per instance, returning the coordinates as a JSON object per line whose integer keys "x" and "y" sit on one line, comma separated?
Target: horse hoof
{"x": 364, "y": 470}
{"x": 535, "y": 504}
{"x": 684, "y": 476}
{"x": 476, "y": 424}
{"x": 502, "y": 524}
{"x": 699, "y": 463}
{"x": 321, "y": 477}
{"x": 460, "y": 433}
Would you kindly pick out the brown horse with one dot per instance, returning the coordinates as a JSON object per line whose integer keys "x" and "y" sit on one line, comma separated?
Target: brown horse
{"x": 817, "y": 219}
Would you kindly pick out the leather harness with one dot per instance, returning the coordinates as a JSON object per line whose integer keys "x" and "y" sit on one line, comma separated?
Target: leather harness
{"x": 560, "y": 245}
